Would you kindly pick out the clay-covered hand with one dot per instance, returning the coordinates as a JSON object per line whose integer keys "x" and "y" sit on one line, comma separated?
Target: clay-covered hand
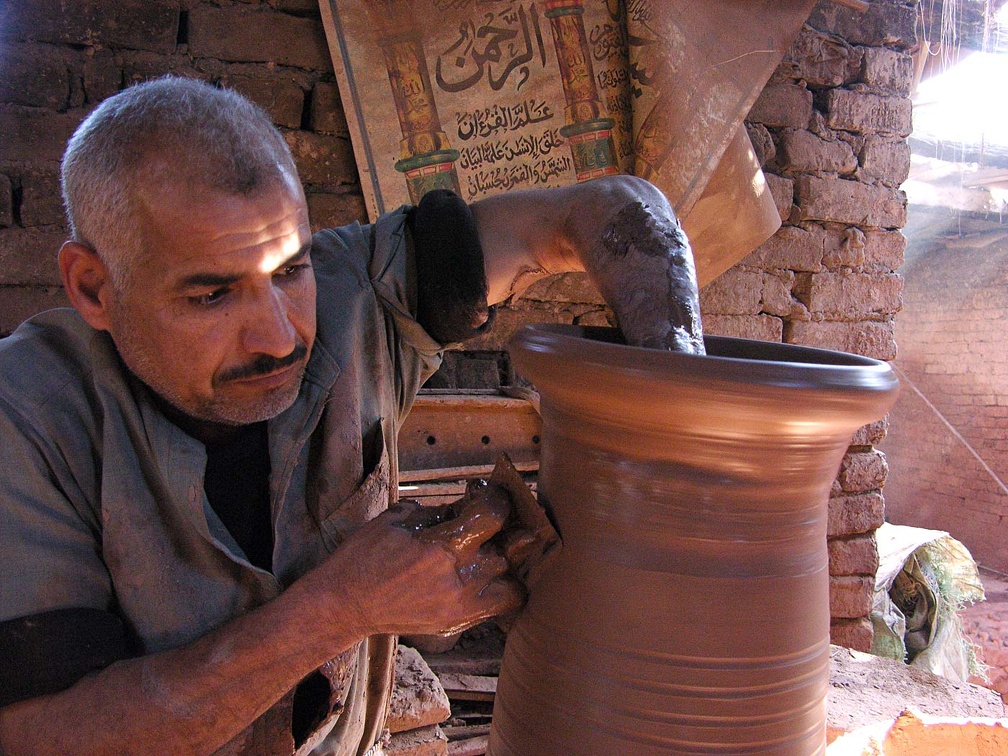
{"x": 430, "y": 570}
{"x": 642, "y": 264}
{"x": 621, "y": 230}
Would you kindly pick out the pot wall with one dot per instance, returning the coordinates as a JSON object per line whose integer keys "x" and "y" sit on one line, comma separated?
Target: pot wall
{"x": 689, "y": 609}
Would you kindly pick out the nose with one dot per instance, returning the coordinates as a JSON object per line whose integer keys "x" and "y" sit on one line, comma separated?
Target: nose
{"x": 268, "y": 328}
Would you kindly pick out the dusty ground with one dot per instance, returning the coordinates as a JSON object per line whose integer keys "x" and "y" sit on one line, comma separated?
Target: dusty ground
{"x": 986, "y": 624}
{"x": 866, "y": 689}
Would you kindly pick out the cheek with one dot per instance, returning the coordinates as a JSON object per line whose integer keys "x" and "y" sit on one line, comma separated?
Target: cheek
{"x": 193, "y": 352}
{"x": 305, "y": 312}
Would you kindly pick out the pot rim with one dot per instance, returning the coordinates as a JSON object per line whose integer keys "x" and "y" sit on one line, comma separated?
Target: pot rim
{"x": 729, "y": 359}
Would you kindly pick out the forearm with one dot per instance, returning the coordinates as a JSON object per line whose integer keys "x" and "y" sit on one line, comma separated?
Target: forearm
{"x": 621, "y": 230}
{"x": 188, "y": 700}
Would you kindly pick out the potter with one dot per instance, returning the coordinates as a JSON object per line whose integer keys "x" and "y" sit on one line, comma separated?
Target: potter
{"x": 200, "y": 455}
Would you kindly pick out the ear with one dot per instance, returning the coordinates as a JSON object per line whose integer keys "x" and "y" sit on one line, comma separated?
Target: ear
{"x": 87, "y": 283}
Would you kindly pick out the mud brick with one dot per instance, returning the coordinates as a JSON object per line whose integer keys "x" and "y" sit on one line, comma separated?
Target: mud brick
{"x": 844, "y": 248}
{"x": 28, "y": 256}
{"x": 565, "y": 287}
{"x": 869, "y": 338}
{"x": 782, "y": 105}
{"x": 851, "y": 295}
{"x": 885, "y": 23}
{"x": 34, "y": 75}
{"x": 793, "y": 248}
{"x": 329, "y": 210}
{"x": 734, "y": 292}
{"x": 762, "y": 142}
{"x": 852, "y": 633}
{"x": 427, "y": 741}
{"x": 782, "y": 191}
{"x": 884, "y": 250}
{"x": 861, "y": 472}
{"x": 418, "y": 698}
{"x": 134, "y": 24}
{"x": 6, "y": 202}
{"x": 258, "y": 34}
{"x": 41, "y": 201}
{"x": 35, "y": 134}
{"x": 850, "y": 596}
{"x": 822, "y": 60}
{"x": 327, "y": 115}
{"x": 521, "y": 313}
{"x": 852, "y": 202}
{"x": 322, "y": 159}
{"x": 868, "y": 113}
{"x": 852, "y": 514}
{"x": 282, "y": 98}
{"x": 602, "y": 316}
{"x": 853, "y": 556}
{"x": 804, "y": 151}
{"x": 887, "y": 71}
{"x": 101, "y": 74}
{"x": 761, "y": 327}
{"x": 886, "y": 159}
{"x": 144, "y": 66}
{"x": 777, "y": 293}
{"x": 871, "y": 434}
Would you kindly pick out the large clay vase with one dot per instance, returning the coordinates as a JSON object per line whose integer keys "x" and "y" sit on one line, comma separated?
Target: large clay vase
{"x": 688, "y": 611}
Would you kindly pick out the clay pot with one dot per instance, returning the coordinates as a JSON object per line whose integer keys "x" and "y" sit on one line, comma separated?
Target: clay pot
{"x": 688, "y": 611}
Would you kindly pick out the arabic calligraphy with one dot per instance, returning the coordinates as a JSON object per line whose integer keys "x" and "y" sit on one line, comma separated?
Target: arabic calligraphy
{"x": 490, "y": 121}
{"x": 496, "y": 151}
{"x": 502, "y": 44}
{"x": 608, "y": 41}
{"x": 504, "y": 177}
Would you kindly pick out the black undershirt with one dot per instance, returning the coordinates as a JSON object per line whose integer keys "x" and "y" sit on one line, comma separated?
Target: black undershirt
{"x": 237, "y": 487}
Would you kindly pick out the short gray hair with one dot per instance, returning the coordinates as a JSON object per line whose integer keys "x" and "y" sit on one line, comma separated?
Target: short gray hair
{"x": 208, "y": 136}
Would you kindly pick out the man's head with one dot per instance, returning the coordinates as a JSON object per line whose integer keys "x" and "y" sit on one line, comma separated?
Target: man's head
{"x": 190, "y": 243}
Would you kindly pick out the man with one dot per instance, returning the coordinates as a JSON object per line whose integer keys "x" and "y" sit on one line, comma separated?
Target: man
{"x": 198, "y": 455}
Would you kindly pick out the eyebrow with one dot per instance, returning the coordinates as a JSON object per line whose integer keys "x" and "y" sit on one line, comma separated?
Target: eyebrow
{"x": 201, "y": 280}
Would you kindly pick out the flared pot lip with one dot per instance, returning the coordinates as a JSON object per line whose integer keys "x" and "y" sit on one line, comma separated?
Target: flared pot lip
{"x": 728, "y": 359}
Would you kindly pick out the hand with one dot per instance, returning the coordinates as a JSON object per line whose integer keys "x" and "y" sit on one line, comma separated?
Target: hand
{"x": 417, "y": 570}
{"x": 643, "y": 266}
{"x": 621, "y": 230}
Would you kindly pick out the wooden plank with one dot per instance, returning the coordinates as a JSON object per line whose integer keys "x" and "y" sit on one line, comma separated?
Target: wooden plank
{"x": 471, "y": 747}
{"x": 464, "y": 732}
{"x": 468, "y": 687}
{"x": 467, "y": 432}
{"x": 458, "y": 473}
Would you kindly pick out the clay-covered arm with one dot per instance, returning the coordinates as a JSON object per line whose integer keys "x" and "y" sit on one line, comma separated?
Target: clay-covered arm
{"x": 386, "y": 578}
{"x": 621, "y": 230}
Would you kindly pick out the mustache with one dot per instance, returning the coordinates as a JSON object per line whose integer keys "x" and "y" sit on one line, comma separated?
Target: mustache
{"x": 265, "y": 364}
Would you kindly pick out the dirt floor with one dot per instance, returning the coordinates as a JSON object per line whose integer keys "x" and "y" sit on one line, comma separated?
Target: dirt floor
{"x": 986, "y": 624}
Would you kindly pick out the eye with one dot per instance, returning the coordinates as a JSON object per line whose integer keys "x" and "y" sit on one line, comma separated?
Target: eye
{"x": 293, "y": 269}
{"x": 210, "y": 298}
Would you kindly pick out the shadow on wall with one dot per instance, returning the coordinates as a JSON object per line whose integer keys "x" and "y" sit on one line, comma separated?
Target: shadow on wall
{"x": 947, "y": 445}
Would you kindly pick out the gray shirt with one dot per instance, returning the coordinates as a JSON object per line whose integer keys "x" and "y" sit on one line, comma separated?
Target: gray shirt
{"x": 102, "y": 496}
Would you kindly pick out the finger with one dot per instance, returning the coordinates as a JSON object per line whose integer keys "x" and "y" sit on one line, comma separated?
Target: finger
{"x": 500, "y": 597}
{"x": 479, "y": 520}
{"x": 518, "y": 546}
{"x": 422, "y": 517}
{"x": 487, "y": 565}
{"x": 503, "y": 596}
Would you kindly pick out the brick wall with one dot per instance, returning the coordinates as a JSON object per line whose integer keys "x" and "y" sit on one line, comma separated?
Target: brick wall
{"x": 948, "y": 444}
{"x": 830, "y": 129}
